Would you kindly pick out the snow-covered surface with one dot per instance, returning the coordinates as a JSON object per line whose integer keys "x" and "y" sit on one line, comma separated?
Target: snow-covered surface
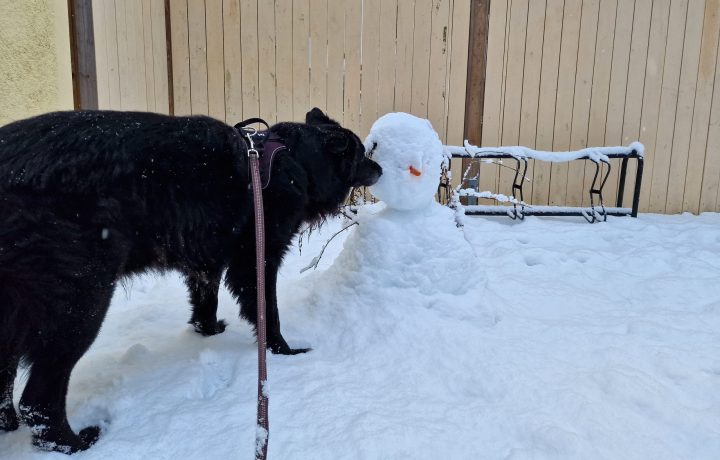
{"x": 410, "y": 153}
{"x": 568, "y": 340}
{"x": 593, "y": 153}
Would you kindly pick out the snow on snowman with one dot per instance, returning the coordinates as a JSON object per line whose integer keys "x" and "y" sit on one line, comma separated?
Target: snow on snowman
{"x": 408, "y": 239}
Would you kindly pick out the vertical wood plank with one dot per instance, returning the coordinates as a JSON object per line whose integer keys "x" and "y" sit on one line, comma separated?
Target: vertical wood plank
{"x": 386, "y": 63}
{"x": 215, "y": 59}
{"x": 113, "y": 69}
{"x": 137, "y": 94}
{"x": 703, "y": 104}
{"x": 353, "y": 42}
{"x": 582, "y": 98}
{"x": 83, "y": 54}
{"x": 599, "y": 97}
{"x": 565, "y": 97}
{"x": 421, "y": 58}
{"x": 101, "y": 53}
{"x": 459, "y": 111}
{"x": 531, "y": 82}
{"x": 336, "y": 58}
{"x": 711, "y": 171}
{"x": 180, "y": 57}
{"x": 249, "y": 50}
{"x": 266, "y": 63}
{"x": 370, "y": 63}
{"x": 685, "y": 108}
{"x": 232, "y": 59}
{"x": 618, "y": 86}
{"x": 147, "y": 42}
{"x": 301, "y": 75}
{"x": 284, "y": 60}
{"x": 438, "y": 65}
{"x": 318, "y": 53}
{"x": 476, "y": 62}
{"x": 160, "y": 56}
{"x": 198, "y": 57}
{"x": 404, "y": 67}
{"x": 124, "y": 72}
{"x": 493, "y": 89}
{"x": 549, "y": 71}
{"x": 513, "y": 88}
{"x": 636, "y": 81}
{"x": 668, "y": 105}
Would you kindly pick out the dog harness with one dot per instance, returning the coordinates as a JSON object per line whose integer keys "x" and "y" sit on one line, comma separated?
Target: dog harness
{"x": 265, "y": 143}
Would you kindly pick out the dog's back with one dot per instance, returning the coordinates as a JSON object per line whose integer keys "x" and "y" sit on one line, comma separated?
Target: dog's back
{"x": 98, "y": 152}
{"x": 167, "y": 179}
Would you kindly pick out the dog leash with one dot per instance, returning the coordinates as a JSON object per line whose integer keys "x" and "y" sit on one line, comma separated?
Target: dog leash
{"x": 262, "y": 430}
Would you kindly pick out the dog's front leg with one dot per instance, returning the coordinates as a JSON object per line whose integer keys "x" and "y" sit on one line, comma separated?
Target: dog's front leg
{"x": 241, "y": 280}
{"x": 276, "y": 342}
{"x": 203, "y": 288}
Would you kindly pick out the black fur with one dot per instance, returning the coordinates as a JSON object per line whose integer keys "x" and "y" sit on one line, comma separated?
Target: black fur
{"x": 87, "y": 198}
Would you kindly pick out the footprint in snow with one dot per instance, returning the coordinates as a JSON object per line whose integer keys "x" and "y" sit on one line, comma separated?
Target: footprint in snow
{"x": 210, "y": 374}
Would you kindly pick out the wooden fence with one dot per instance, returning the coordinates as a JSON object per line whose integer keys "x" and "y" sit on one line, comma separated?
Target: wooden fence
{"x": 560, "y": 75}
{"x": 235, "y": 59}
{"x": 566, "y": 74}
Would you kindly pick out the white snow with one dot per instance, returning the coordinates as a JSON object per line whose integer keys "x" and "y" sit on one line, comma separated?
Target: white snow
{"x": 571, "y": 341}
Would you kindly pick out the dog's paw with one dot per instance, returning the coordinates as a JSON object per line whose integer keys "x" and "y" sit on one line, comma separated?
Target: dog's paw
{"x": 90, "y": 435}
{"x": 63, "y": 440}
{"x": 207, "y": 329}
{"x": 8, "y": 418}
{"x": 284, "y": 349}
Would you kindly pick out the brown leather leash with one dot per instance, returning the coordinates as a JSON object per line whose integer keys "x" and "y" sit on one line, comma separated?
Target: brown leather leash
{"x": 262, "y": 430}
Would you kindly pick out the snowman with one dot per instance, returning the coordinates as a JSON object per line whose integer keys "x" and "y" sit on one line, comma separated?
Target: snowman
{"x": 408, "y": 240}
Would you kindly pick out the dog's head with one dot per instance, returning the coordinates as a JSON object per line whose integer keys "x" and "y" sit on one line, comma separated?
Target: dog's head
{"x": 344, "y": 151}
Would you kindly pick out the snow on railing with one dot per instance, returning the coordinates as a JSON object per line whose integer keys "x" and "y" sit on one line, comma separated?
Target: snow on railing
{"x": 595, "y": 154}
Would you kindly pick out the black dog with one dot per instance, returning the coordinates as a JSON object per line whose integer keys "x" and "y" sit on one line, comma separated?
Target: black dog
{"x": 87, "y": 198}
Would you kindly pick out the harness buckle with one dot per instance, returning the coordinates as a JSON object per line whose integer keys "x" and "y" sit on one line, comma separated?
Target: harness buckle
{"x": 249, "y": 133}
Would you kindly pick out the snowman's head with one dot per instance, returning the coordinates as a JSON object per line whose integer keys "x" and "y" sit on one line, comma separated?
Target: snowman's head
{"x": 410, "y": 153}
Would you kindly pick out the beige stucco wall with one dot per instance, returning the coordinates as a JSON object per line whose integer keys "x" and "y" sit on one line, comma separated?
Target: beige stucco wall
{"x": 35, "y": 69}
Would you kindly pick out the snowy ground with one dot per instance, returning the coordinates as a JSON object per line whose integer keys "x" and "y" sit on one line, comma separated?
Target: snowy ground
{"x": 581, "y": 342}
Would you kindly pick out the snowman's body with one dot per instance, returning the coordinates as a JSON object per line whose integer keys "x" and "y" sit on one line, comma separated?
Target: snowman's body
{"x": 408, "y": 240}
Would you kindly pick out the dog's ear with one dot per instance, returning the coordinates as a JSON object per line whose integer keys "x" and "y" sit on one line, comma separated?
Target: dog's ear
{"x": 317, "y": 117}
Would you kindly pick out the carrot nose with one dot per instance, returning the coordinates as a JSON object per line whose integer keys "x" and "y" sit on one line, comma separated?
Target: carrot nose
{"x": 414, "y": 171}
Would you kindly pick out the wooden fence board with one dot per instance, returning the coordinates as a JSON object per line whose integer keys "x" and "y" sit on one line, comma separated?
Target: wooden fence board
{"x": 318, "y": 53}
{"x": 658, "y": 182}
{"x": 266, "y": 63}
{"x": 232, "y": 61}
{"x": 404, "y": 67}
{"x": 685, "y": 107}
{"x": 599, "y": 99}
{"x": 370, "y": 62}
{"x": 437, "y": 78}
{"x": 565, "y": 97}
{"x": 584, "y": 82}
{"x": 492, "y": 118}
{"x": 215, "y": 59}
{"x": 387, "y": 58}
{"x": 703, "y": 104}
{"x": 549, "y": 71}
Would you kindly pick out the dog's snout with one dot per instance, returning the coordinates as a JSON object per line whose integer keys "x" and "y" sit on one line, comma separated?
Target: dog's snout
{"x": 368, "y": 173}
